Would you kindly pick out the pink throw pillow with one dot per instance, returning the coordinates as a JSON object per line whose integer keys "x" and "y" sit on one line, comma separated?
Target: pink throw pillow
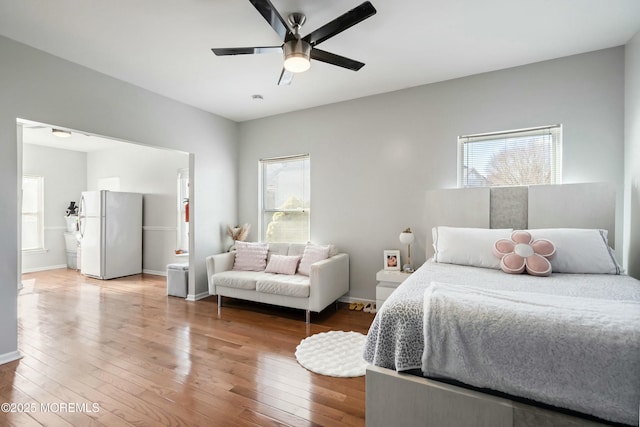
{"x": 283, "y": 264}
{"x": 250, "y": 256}
{"x": 522, "y": 253}
{"x": 312, "y": 254}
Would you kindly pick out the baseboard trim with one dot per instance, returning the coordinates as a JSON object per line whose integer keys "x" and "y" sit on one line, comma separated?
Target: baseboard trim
{"x": 197, "y": 297}
{"x": 154, "y": 272}
{"x": 49, "y": 267}
{"x": 10, "y": 357}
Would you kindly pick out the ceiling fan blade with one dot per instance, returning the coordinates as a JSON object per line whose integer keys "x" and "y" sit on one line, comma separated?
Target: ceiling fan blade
{"x": 246, "y": 50}
{"x": 333, "y": 59}
{"x": 285, "y": 77}
{"x": 271, "y": 15}
{"x": 341, "y": 23}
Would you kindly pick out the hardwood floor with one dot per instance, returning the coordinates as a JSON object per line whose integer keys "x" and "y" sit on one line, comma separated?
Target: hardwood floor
{"x": 120, "y": 352}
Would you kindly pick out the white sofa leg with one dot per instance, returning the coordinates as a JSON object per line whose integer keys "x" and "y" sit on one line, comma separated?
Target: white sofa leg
{"x": 308, "y": 316}
{"x": 219, "y": 304}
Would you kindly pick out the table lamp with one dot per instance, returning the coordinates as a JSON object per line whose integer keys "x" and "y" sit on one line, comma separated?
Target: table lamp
{"x": 406, "y": 237}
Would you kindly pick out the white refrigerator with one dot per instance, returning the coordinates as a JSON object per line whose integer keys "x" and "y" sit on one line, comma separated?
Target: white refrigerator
{"x": 110, "y": 224}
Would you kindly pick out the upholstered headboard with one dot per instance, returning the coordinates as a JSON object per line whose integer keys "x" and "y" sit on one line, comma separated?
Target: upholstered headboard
{"x": 590, "y": 205}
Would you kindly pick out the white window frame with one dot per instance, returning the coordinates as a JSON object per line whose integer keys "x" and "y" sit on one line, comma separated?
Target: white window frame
{"x": 262, "y": 227}
{"x": 555, "y": 160}
{"x": 38, "y": 213}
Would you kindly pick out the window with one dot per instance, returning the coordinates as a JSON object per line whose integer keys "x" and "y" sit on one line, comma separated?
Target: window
{"x": 285, "y": 199}
{"x": 520, "y": 157}
{"x": 182, "y": 243}
{"x": 32, "y": 213}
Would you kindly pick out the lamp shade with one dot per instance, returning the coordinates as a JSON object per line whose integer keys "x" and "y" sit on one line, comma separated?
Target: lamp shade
{"x": 406, "y": 237}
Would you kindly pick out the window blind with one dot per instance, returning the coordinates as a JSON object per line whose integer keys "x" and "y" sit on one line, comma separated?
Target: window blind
{"x": 518, "y": 157}
{"x": 285, "y": 199}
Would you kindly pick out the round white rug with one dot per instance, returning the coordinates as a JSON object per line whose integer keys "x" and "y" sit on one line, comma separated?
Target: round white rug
{"x": 333, "y": 353}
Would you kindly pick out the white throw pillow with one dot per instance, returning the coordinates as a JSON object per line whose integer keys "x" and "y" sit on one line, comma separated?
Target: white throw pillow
{"x": 282, "y": 264}
{"x": 579, "y": 250}
{"x": 467, "y": 246}
{"x": 312, "y": 254}
{"x": 250, "y": 256}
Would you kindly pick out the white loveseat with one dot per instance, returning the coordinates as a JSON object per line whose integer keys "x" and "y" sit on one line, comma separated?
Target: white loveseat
{"x": 328, "y": 280}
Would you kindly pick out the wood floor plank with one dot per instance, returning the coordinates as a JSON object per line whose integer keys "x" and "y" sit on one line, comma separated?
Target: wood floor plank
{"x": 260, "y": 419}
{"x": 10, "y": 394}
{"x": 20, "y": 419}
{"x": 49, "y": 395}
{"x": 147, "y": 359}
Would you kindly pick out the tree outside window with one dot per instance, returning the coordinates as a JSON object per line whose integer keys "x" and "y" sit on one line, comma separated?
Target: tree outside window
{"x": 521, "y": 157}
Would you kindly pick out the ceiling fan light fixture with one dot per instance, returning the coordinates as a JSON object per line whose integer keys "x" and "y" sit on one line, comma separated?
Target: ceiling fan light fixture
{"x": 297, "y": 56}
{"x": 61, "y": 133}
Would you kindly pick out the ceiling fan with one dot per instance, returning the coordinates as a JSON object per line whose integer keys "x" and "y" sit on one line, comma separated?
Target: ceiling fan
{"x": 298, "y": 51}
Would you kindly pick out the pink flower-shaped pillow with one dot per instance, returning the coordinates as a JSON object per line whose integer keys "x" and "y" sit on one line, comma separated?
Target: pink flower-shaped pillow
{"x": 523, "y": 253}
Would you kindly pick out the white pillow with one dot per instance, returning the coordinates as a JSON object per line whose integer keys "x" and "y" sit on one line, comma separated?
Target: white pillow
{"x": 579, "y": 250}
{"x": 467, "y": 246}
{"x": 282, "y": 264}
{"x": 312, "y": 254}
{"x": 250, "y": 256}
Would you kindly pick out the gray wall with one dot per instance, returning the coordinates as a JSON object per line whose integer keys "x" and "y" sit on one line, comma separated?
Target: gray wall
{"x": 152, "y": 172}
{"x": 65, "y": 177}
{"x": 373, "y": 158}
{"x": 40, "y": 87}
{"x": 632, "y": 157}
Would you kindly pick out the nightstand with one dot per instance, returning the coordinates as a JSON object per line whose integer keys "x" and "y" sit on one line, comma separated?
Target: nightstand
{"x": 388, "y": 281}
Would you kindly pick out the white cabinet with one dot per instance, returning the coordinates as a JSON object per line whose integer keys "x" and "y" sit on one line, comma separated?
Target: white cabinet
{"x": 388, "y": 281}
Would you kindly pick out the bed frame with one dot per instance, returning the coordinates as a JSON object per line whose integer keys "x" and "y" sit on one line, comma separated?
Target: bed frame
{"x": 396, "y": 399}
{"x": 403, "y": 400}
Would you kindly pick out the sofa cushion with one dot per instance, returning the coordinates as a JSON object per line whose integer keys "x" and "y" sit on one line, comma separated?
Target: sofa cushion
{"x": 293, "y": 286}
{"x": 296, "y": 249}
{"x": 237, "y": 279}
{"x": 250, "y": 256}
{"x": 277, "y": 249}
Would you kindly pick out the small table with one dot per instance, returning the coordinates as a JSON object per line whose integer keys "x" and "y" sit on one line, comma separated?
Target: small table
{"x": 388, "y": 281}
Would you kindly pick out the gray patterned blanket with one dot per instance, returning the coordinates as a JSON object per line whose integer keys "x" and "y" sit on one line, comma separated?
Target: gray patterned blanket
{"x": 396, "y": 337}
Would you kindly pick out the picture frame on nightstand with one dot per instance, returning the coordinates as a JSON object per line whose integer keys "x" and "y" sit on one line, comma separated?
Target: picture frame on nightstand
{"x": 392, "y": 260}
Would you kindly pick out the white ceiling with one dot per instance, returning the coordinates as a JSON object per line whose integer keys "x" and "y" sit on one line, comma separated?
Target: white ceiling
{"x": 38, "y": 134}
{"x": 164, "y": 45}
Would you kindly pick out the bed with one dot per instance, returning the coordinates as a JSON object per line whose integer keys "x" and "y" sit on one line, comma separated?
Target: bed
{"x": 463, "y": 345}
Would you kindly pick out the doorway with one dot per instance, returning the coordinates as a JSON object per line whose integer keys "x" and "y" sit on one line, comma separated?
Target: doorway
{"x": 75, "y": 161}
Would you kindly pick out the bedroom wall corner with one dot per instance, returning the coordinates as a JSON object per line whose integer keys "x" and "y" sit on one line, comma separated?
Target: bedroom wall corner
{"x": 631, "y": 244}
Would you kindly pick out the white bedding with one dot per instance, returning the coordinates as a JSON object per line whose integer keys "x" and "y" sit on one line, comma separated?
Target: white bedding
{"x": 396, "y": 337}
